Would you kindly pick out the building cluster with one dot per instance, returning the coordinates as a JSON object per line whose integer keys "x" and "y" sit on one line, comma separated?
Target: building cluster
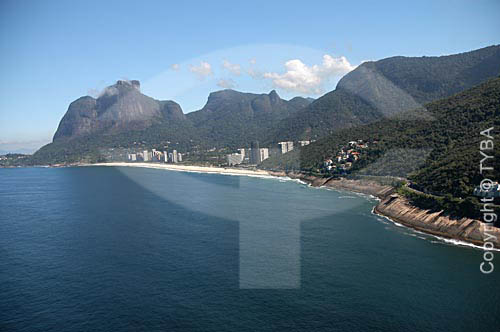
{"x": 345, "y": 157}
{"x": 255, "y": 154}
{"x": 492, "y": 192}
{"x": 155, "y": 156}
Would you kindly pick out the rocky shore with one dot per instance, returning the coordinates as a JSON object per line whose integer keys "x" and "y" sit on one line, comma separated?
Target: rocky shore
{"x": 360, "y": 186}
{"x": 469, "y": 230}
{"x": 399, "y": 209}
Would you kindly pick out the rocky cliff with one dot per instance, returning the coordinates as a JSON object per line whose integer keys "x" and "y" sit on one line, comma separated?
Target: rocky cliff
{"x": 400, "y": 210}
{"x": 121, "y": 106}
{"x": 464, "y": 229}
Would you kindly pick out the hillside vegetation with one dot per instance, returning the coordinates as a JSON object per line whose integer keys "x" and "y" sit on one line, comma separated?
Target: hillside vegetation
{"x": 443, "y": 144}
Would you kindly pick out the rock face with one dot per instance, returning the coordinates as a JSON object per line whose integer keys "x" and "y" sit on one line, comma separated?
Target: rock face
{"x": 229, "y": 114}
{"x": 238, "y": 118}
{"x": 400, "y": 210}
{"x": 464, "y": 229}
{"x": 230, "y": 102}
{"x": 120, "y": 107}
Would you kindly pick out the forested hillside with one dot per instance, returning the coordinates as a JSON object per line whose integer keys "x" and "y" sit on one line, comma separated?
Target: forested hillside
{"x": 444, "y": 143}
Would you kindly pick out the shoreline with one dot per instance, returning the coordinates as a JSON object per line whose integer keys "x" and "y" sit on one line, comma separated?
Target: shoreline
{"x": 462, "y": 232}
{"x": 186, "y": 168}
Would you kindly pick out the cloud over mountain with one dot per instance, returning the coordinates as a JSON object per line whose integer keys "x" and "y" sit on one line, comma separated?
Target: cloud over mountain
{"x": 302, "y": 78}
{"x": 232, "y": 67}
{"x": 226, "y": 83}
{"x": 203, "y": 70}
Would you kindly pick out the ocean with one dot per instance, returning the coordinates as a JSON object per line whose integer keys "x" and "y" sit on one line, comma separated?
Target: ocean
{"x": 136, "y": 249}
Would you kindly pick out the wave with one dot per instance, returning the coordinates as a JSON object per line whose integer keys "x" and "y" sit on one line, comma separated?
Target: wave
{"x": 442, "y": 240}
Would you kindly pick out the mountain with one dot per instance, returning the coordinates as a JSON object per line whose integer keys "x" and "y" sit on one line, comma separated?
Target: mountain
{"x": 232, "y": 118}
{"x": 123, "y": 117}
{"x": 439, "y": 153}
{"x": 120, "y": 107}
{"x": 385, "y": 88}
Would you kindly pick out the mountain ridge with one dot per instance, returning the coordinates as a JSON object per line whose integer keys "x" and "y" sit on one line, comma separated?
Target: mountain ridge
{"x": 123, "y": 116}
{"x": 383, "y": 88}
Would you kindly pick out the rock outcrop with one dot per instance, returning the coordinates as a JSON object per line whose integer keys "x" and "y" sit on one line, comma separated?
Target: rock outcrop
{"x": 402, "y": 211}
{"x": 121, "y": 106}
{"x": 464, "y": 229}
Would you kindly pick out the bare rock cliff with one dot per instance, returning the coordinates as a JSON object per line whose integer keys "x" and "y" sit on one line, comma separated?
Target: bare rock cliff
{"x": 464, "y": 229}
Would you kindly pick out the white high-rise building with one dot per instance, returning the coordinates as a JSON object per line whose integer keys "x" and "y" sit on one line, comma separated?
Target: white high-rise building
{"x": 285, "y": 146}
{"x": 264, "y": 154}
{"x": 234, "y": 159}
{"x": 242, "y": 152}
{"x": 145, "y": 155}
{"x": 255, "y": 153}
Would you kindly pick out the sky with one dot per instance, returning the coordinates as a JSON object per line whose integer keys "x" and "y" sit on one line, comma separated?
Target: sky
{"x": 53, "y": 52}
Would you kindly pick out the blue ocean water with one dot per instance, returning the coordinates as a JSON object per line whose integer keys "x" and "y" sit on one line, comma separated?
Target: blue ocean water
{"x": 132, "y": 249}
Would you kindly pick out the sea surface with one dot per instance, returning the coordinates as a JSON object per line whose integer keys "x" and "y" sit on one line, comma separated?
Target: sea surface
{"x": 135, "y": 249}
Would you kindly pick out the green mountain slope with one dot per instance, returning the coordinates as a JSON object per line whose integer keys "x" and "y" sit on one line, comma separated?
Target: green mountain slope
{"x": 380, "y": 89}
{"x": 234, "y": 119}
{"x": 444, "y": 146}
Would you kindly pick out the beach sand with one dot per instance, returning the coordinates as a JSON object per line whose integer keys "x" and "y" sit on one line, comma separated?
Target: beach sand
{"x": 188, "y": 168}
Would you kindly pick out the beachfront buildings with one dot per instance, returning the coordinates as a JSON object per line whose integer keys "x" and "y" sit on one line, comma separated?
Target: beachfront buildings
{"x": 264, "y": 154}
{"x": 235, "y": 159}
{"x": 285, "y": 147}
{"x": 254, "y": 153}
{"x": 154, "y": 156}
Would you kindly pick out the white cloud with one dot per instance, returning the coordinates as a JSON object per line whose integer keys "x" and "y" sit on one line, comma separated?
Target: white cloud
{"x": 253, "y": 73}
{"x": 226, "y": 83}
{"x": 252, "y": 61}
{"x": 232, "y": 67}
{"x": 175, "y": 66}
{"x": 93, "y": 92}
{"x": 203, "y": 70}
{"x": 302, "y": 78}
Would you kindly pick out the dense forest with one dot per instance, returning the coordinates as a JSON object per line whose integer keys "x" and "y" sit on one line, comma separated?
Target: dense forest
{"x": 436, "y": 148}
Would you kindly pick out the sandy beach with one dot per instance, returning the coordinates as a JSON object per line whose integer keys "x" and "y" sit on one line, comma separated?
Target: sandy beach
{"x": 189, "y": 168}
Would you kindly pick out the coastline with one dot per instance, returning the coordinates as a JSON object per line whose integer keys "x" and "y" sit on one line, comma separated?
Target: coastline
{"x": 462, "y": 231}
{"x": 392, "y": 206}
{"x": 399, "y": 210}
{"x": 186, "y": 168}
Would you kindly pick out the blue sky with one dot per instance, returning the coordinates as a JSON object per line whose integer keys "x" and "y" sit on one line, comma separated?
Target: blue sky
{"x": 52, "y": 52}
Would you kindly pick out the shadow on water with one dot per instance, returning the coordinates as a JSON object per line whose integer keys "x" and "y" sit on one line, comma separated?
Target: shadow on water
{"x": 95, "y": 249}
